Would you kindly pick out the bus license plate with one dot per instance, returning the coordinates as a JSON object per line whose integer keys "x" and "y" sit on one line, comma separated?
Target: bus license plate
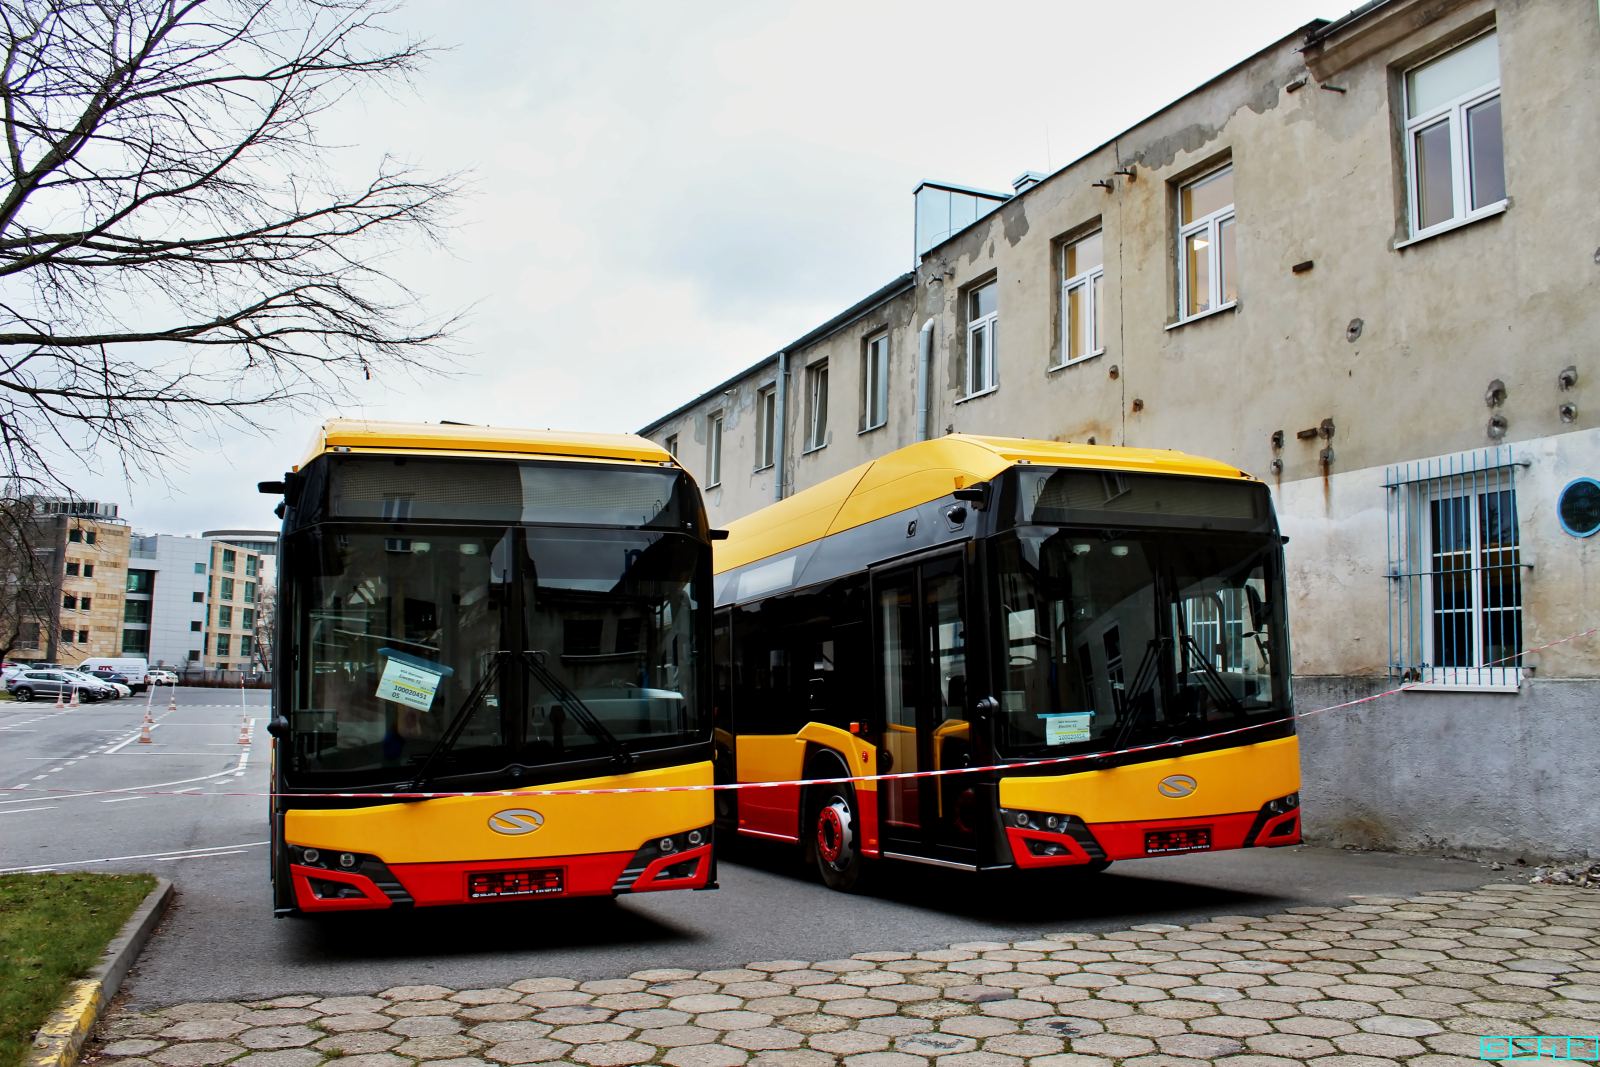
{"x": 1183, "y": 839}
{"x": 515, "y": 883}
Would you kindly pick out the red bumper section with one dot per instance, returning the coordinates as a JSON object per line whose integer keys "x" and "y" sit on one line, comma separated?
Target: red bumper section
{"x": 326, "y": 883}
{"x": 1040, "y": 839}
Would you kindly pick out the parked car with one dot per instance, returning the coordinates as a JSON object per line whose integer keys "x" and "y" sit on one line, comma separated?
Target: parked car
{"x": 103, "y": 688}
{"x": 48, "y": 683}
{"x": 161, "y": 676}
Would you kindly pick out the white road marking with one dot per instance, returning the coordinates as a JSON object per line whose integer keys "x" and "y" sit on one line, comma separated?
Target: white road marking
{"x": 19, "y": 811}
{"x": 125, "y": 789}
{"x": 130, "y": 739}
{"x": 186, "y": 853}
{"x": 114, "y": 800}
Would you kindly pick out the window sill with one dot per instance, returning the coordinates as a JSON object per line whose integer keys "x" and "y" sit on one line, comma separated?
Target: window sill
{"x": 1229, "y": 306}
{"x": 1455, "y": 224}
{"x": 1459, "y": 687}
{"x": 1075, "y": 362}
{"x": 975, "y": 396}
{"x": 813, "y": 448}
{"x": 714, "y": 485}
{"x": 763, "y": 467}
{"x": 871, "y": 429}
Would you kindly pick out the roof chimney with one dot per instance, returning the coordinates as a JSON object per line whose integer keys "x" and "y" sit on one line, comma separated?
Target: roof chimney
{"x": 1028, "y": 180}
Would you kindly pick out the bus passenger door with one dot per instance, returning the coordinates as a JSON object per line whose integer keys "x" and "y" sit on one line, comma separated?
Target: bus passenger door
{"x": 920, "y": 618}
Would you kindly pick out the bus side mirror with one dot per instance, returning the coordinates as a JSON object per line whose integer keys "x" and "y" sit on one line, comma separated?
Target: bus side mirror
{"x": 718, "y": 535}
{"x": 977, "y": 496}
{"x": 279, "y": 728}
{"x": 988, "y": 706}
{"x": 271, "y": 488}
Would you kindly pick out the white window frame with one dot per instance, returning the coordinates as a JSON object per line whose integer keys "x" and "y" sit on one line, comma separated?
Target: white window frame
{"x": 766, "y": 426}
{"x": 671, "y": 445}
{"x": 989, "y": 325}
{"x": 875, "y": 382}
{"x": 1089, "y": 281}
{"x": 1455, "y": 113}
{"x": 817, "y": 405}
{"x": 1213, "y": 224}
{"x": 714, "y": 450}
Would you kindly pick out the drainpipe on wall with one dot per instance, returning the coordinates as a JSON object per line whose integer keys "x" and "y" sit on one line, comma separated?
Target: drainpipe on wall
{"x": 924, "y": 361}
{"x": 778, "y": 428}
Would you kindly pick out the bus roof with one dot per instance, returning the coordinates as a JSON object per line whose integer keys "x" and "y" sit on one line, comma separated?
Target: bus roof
{"x": 922, "y": 472}
{"x": 364, "y": 435}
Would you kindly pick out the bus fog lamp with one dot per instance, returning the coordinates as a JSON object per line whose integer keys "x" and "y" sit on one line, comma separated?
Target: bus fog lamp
{"x": 1022, "y": 818}
{"x": 667, "y": 845}
{"x": 695, "y": 837}
{"x": 312, "y": 855}
{"x": 346, "y": 860}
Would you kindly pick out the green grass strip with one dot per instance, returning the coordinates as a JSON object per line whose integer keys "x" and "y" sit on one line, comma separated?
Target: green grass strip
{"x": 53, "y": 930}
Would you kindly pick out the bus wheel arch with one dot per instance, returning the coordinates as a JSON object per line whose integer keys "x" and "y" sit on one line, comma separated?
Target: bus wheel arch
{"x": 831, "y": 829}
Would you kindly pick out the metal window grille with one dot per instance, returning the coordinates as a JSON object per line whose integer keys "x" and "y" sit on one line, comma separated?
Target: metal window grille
{"x": 1455, "y": 570}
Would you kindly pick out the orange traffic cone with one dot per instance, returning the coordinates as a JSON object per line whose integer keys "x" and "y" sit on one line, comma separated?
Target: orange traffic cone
{"x": 244, "y": 733}
{"x": 172, "y": 704}
{"x": 144, "y": 733}
{"x": 59, "y": 702}
{"x": 74, "y": 697}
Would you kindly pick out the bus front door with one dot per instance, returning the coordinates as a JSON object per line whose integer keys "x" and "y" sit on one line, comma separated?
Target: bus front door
{"x": 920, "y": 622}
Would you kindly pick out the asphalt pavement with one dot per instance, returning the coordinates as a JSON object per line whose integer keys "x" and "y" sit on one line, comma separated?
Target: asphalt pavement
{"x": 220, "y": 940}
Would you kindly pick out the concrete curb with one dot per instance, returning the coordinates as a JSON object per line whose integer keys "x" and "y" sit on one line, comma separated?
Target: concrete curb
{"x": 60, "y": 1039}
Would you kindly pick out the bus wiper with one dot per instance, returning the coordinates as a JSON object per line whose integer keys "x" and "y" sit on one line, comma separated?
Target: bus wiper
{"x": 1143, "y": 680}
{"x": 569, "y": 700}
{"x": 1215, "y": 685}
{"x": 458, "y": 722}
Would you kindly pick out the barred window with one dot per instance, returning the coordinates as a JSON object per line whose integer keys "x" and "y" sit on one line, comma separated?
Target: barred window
{"x": 1455, "y": 571}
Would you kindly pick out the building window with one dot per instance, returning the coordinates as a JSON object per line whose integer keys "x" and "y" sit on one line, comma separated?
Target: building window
{"x": 69, "y": 601}
{"x": 1456, "y": 571}
{"x": 66, "y": 637}
{"x": 228, "y": 558}
{"x": 199, "y": 597}
{"x": 766, "y": 426}
{"x": 88, "y": 537}
{"x": 136, "y": 611}
{"x": 28, "y": 637}
{"x": 205, "y": 644}
{"x": 72, "y": 570}
{"x": 251, "y": 566}
{"x": 875, "y": 382}
{"x": 195, "y": 626}
{"x": 227, "y": 589}
{"x": 141, "y": 581}
{"x": 817, "y": 405}
{"x": 714, "y": 450}
{"x": 247, "y": 618}
{"x": 224, "y": 617}
{"x": 83, "y": 637}
{"x": 983, "y": 321}
{"x": 222, "y": 666}
{"x": 224, "y": 644}
{"x": 136, "y": 641}
{"x": 194, "y": 655}
{"x": 1207, "y": 274}
{"x": 75, "y": 536}
{"x": 671, "y": 446}
{"x": 83, "y": 603}
{"x": 244, "y": 645}
{"x": 1454, "y": 155}
{"x": 88, "y": 570}
{"x": 1082, "y": 282}
{"x": 249, "y": 592}
{"x": 199, "y": 568}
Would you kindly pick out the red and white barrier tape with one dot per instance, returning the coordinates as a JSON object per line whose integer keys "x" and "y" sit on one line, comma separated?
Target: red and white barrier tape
{"x": 1016, "y": 765}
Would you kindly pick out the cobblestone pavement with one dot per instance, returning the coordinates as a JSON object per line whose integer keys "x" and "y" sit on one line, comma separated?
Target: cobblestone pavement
{"x": 1384, "y": 981}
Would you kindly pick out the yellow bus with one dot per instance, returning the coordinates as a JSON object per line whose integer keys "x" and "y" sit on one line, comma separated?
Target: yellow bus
{"x": 469, "y": 610}
{"x": 1099, "y": 633}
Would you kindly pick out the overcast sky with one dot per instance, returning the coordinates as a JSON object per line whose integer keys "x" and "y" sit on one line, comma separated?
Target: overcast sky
{"x": 667, "y": 192}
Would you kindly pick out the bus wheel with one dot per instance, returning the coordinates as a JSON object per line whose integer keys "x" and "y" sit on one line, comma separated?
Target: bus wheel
{"x": 838, "y": 854}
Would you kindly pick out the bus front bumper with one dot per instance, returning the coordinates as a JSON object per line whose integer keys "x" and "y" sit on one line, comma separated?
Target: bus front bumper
{"x": 372, "y": 884}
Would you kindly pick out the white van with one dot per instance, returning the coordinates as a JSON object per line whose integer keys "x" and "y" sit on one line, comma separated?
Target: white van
{"x": 132, "y": 669}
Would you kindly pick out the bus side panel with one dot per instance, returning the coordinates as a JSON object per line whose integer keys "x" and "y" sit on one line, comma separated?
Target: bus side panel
{"x": 457, "y": 829}
{"x": 773, "y": 812}
{"x": 1120, "y": 805}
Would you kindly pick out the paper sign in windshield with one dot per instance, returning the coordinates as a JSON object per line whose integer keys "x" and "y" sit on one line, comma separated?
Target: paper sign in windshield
{"x": 409, "y": 682}
{"x": 1067, "y": 729}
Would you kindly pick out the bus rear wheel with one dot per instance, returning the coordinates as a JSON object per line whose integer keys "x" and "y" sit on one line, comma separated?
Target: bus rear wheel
{"x": 836, "y": 839}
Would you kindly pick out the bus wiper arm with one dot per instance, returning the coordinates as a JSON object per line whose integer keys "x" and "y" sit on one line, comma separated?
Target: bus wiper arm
{"x": 568, "y": 699}
{"x": 458, "y": 722}
{"x": 1215, "y": 685}
{"x": 1143, "y": 679}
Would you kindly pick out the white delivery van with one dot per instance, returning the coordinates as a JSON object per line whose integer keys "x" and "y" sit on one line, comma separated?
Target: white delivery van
{"x": 132, "y": 669}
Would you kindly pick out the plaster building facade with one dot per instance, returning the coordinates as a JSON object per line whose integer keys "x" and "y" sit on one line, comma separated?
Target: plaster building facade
{"x": 1360, "y": 265}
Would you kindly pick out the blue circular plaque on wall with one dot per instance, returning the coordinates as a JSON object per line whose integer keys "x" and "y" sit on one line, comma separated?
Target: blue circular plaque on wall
{"x": 1578, "y": 507}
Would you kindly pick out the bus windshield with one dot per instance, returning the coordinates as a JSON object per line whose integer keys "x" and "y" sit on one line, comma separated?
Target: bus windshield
{"x": 1119, "y": 637}
{"x": 530, "y": 646}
